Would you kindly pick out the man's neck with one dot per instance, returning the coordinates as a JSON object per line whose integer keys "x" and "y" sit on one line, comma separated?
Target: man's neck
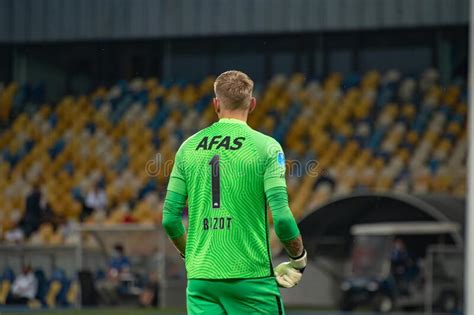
{"x": 239, "y": 115}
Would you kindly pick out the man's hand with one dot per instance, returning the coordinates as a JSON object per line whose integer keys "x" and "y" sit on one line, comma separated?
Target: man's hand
{"x": 288, "y": 274}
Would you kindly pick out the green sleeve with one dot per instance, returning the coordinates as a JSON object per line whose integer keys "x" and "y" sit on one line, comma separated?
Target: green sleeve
{"x": 285, "y": 225}
{"x": 274, "y": 166}
{"x": 177, "y": 182}
{"x": 172, "y": 214}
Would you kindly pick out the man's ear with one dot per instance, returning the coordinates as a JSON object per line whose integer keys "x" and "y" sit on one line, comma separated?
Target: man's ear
{"x": 253, "y": 104}
{"x": 217, "y": 105}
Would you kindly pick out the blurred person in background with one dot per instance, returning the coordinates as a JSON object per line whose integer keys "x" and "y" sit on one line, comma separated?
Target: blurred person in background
{"x": 118, "y": 273}
{"x": 399, "y": 254}
{"x": 96, "y": 200}
{"x": 36, "y": 212}
{"x": 24, "y": 287}
{"x": 151, "y": 292}
{"x": 400, "y": 263}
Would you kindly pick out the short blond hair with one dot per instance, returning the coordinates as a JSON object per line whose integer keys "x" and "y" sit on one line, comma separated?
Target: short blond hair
{"x": 234, "y": 89}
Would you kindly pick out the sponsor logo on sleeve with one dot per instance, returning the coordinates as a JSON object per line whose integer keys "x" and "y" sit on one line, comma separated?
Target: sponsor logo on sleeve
{"x": 281, "y": 159}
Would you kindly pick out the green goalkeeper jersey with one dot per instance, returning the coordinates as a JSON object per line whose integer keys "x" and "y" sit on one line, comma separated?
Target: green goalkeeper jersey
{"x": 225, "y": 170}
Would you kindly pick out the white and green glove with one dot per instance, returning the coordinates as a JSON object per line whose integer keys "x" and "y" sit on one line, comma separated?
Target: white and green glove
{"x": 288, "y": 274}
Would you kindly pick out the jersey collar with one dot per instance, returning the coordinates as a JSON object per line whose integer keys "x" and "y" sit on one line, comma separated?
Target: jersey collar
{"x": 232, "y": 121}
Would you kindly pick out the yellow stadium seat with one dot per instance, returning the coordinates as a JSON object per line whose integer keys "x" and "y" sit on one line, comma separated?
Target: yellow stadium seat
{"x": 73, "y": 293}
{"x": 52, "y": 294}
{"x": 5, "y": 286}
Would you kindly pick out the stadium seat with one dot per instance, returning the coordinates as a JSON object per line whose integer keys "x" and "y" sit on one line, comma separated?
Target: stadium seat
{"x": 7, "y": 279}
{"x": 57, "y": 289}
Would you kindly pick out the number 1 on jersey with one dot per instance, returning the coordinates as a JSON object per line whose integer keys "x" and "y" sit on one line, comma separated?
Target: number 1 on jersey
{"x": 215, "y": 181}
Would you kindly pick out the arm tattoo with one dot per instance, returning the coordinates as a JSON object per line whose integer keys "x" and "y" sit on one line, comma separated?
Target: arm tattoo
{"x": 180, "y": 244}
{"x": 294, "y": 247}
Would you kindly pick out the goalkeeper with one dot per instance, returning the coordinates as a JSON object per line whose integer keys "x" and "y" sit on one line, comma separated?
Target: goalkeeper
{"x": 227, "y": 173}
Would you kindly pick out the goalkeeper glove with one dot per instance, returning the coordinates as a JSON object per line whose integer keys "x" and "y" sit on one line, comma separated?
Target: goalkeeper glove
{"x": 288, "y": 274}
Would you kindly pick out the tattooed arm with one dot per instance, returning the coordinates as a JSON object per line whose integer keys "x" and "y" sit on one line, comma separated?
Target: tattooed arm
{"x": 287, "y": 274}
{"x": 284, "y": 222}
{"x": 180, "y": 244}
{"x": 294, "y": 248}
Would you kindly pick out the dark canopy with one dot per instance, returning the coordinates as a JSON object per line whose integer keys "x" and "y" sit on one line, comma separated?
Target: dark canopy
{"x": 334, "y": 219}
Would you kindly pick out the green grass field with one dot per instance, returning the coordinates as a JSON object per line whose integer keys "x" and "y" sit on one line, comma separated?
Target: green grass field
{"x": 98, "y": 312}
{"x": 117, "y": 311}
{"x": 170, "y": 311}
{"x": 131, "y": 311}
